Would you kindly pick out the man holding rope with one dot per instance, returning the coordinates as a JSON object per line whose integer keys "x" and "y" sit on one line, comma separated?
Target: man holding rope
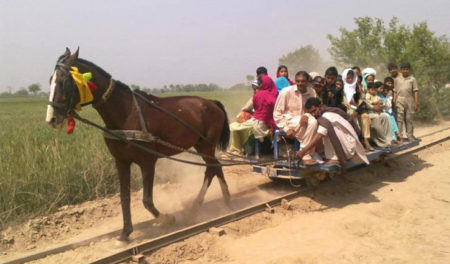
{"x": 340, "y": 140}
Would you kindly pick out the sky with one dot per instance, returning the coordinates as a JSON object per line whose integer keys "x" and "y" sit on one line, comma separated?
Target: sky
{"x": 153, "y": 43}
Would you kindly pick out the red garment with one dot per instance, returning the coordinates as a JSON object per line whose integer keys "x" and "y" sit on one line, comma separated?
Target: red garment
{"x": 264, "y": 101}
{"x": 287, "y": 77}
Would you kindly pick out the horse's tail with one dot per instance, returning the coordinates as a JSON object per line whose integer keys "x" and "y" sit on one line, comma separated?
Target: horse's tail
{"x": 225, "y": 135}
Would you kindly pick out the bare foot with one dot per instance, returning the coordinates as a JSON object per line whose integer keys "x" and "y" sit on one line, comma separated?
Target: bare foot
{"x": 367, "y": 145}
{"x": 309, "y": 162}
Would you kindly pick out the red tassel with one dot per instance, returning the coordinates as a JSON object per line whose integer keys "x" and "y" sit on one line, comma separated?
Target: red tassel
{"x": 92, "y": 86}
{"x": 70, "y": 125}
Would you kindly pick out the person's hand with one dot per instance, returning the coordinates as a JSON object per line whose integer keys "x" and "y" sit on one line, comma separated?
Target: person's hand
{"x": 290, "y": 133}
{"x": 330, "y": 95}
{"x": 354, "y": 114}
{"x": 416, "y": 106}
{"x": 377, "y": 108}
{"x": 300, "y": 154}
{"x": 347, "y": 105}
{"x": 303, "y": 121}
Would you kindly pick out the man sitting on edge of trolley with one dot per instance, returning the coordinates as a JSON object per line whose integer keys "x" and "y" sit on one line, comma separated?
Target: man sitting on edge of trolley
{"x": 289, "y": 113}
{"x": 340, "y": 140}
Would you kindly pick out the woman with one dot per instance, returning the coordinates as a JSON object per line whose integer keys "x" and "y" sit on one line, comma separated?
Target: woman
{"x": 263, "y": 103}
{"x": 356, "y": 106}
{"x": 283, "y": 80}
{"x": 242, "y": 128}
{"x": 368, "y": 75}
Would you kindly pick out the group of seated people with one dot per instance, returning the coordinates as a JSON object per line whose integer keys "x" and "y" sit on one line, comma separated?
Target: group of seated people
{"x": 336, "y": 117}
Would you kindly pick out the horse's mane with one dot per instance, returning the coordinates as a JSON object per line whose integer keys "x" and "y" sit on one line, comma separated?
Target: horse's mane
{"x": 99, "y": 69}
{"x": 118, "y": 83}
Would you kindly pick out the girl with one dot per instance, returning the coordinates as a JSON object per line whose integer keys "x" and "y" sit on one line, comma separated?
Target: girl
{"x": 283, "y": 80}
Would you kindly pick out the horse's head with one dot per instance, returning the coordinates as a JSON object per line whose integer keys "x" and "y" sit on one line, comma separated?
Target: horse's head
{"x": 63, "y": 91}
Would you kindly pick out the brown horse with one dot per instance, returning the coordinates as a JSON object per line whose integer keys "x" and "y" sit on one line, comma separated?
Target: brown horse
{"x": 114, "y": 102}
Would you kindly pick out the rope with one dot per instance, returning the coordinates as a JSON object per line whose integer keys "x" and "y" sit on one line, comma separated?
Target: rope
{"x": 162, "y": 142}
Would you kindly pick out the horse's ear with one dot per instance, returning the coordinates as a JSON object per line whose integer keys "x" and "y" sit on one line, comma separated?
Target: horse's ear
{"x": 67, "y": 53}
{"x": 72, "y": 58}
{"x": 75, "y": 54}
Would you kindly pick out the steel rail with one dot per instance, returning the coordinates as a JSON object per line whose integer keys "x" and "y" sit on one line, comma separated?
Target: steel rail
{"x": 178, "y": 235}
{"x": 112, "y": 234}
{"x": 168, "y": 239}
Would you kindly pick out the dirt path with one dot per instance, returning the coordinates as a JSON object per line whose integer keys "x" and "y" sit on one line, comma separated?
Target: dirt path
{"x": 347, "y": 218}
{"x": 394, "y": 214}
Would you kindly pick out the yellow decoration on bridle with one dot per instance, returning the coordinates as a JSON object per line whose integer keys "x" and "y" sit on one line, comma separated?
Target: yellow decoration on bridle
{"x": 84, "y": 91}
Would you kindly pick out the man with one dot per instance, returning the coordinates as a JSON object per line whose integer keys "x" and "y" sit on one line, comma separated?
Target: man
{"x": 340, "y": 140}
{"x": 406, "y": 99}
{"x": 261, "y": 71}
{"x": 289, "y": 115}
{"x": 318, "y": 84}
{"x": 335, "y": 97}
{"x": 393, "y": 70}
{"x": 356, "y": 70}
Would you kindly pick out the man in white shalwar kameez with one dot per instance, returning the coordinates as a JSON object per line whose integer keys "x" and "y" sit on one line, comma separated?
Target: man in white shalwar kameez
{"x": 289, "y": 115}
{"x": 343, "y": 135}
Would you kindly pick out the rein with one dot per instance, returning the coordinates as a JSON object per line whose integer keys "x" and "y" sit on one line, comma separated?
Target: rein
{"x": 113, "y": 135}
{"x": 129, "y": 136}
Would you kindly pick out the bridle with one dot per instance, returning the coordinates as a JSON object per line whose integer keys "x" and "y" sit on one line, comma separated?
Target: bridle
{"x": 68, "y": 90}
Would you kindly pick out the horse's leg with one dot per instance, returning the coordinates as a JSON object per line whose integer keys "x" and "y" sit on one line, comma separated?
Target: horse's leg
{"x": 212, "y": 170}
{"x": 223, "y": 186}
{"x": 148, "y": 175}
{"x": 124, "y": 175}
{"x": 209, "y": 174}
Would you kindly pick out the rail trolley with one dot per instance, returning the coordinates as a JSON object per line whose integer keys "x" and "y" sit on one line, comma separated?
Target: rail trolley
{"x": 288, "y": 167}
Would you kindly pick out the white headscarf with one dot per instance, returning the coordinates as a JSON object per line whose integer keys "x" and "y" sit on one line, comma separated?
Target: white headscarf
{"x": 349, "y": 88}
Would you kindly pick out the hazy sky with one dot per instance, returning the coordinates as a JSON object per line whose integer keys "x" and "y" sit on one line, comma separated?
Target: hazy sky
{"x": 152, "y": 42}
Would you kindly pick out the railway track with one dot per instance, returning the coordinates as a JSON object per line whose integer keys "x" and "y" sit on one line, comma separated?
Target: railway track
{"x": 181, "y": 234}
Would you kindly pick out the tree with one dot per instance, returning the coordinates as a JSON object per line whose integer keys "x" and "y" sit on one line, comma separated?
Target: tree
{"x": 135, "y": 87}
{"x": 375, "y": 45}
{"x": 249, "y": 78}
{"x": 21, "y": 92}
{"x": 305, "y": 58}
{"x": 34, "y": 88}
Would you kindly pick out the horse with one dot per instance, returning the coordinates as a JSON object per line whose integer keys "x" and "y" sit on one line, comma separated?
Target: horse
{"x": 198, "y": 123}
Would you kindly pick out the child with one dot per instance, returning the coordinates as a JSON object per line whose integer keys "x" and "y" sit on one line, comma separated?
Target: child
{"x": 406, "y": 97}
{"x": 283, "y": 80}
{"x": 386, "y": 97}
{"x": 380, "y": 129}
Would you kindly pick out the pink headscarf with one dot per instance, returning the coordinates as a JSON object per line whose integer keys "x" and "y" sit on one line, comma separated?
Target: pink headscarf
{"x": 264, "y": 101}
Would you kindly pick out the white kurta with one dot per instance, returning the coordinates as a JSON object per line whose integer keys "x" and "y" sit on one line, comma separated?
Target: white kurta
{"x": 353, "y": 149}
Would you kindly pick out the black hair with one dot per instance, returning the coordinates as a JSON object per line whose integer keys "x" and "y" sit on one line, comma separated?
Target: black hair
{"x": 405, "y": 65}
{"x": 371, "y": 85}
{"x": 261, "y": 70}
{"x": 378, "y": 84}
{"x": 360, "y": 77}
{"x": 351, "y": 72}
{"x": 356, "y": 67}
{"x": 391, "y": 66}
{"x": 331, "y": 71}
{"x": 340, "y": 80}
{"x": 388, "y": 79}
{"x": 312, "y": 102}
{"x": 281, "y": 67}
{"x": 303, "y": 73}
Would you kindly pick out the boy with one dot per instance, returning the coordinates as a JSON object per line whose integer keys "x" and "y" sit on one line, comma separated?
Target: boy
{"x": 393, "y": 70}
{"x": 406, "y": 97}
{"x": 379, "y": 128}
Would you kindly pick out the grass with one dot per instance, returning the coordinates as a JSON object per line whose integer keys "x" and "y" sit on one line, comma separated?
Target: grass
{"x": 44, "y": 168}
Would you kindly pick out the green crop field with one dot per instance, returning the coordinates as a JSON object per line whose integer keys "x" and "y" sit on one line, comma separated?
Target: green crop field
{"x": 44, "y": 168}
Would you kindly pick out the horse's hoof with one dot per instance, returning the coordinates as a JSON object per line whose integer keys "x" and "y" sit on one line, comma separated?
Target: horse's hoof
{"x": 121, "y": 243}
{"x": 164, "y": 220}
